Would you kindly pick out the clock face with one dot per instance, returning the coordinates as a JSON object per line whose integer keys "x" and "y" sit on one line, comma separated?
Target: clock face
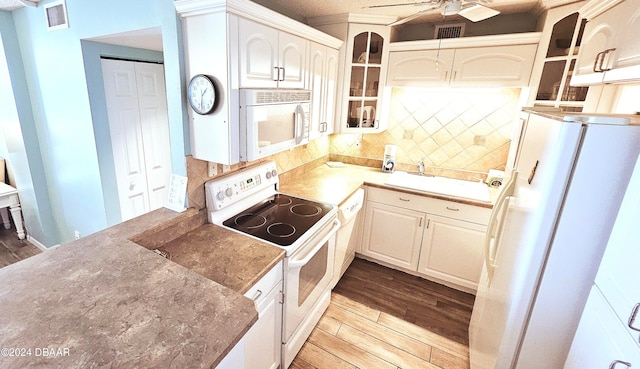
{"x": 201, "y": 93}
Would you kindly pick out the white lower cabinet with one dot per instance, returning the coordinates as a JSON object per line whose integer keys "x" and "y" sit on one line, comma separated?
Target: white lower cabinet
{"x": 263, "y": 342}
{"x": 452, "y": 251}
{"x": 393, "y": 234}
{"x": 601, "y": 340}
{"x": 438, "y": 239}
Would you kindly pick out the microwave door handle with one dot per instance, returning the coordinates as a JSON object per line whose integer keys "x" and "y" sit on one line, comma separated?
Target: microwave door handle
{"x": 298, "y": 117}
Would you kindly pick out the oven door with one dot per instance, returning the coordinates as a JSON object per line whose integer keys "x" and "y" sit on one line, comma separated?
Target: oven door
{"x": 308, "y": 275}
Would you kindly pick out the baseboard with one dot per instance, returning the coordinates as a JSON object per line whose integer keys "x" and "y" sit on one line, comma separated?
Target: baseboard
{"x": 39, "y": 245}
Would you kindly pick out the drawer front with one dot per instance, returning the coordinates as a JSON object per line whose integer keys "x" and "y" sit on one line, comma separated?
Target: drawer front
{"x": 450, "y": 209}
{"x": 261, "y": 289}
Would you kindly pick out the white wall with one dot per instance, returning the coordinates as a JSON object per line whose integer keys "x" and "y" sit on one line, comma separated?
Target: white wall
{"x": 56, "y": 86}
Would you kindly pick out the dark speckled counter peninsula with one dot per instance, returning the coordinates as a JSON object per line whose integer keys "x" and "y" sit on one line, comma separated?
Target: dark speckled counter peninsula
{"x": 108, "y": 300}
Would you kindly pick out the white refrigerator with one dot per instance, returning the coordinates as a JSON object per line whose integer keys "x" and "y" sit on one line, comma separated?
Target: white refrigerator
{"x": 546, "y": 236}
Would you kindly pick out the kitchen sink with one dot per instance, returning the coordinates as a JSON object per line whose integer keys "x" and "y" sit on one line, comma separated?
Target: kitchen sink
{"x": 477, "y": 191}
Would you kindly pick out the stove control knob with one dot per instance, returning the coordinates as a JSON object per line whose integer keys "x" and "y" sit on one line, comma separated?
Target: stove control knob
{"x": 268, "y": 175}
{"x": 274, "y": 173}
{"x": 229, "y": 192}
{"x": 220, "y": 195}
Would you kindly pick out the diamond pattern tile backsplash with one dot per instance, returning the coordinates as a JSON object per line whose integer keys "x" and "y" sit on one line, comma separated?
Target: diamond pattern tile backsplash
{"x": 465, "y": 130}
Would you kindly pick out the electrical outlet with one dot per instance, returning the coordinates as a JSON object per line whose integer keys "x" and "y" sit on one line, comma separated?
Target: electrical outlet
{"x": 213, "y": 169}
{"x": 76, "y": 235}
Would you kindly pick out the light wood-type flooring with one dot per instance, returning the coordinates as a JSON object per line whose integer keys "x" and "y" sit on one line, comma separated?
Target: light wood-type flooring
{"x": 383, "y": 318}
{"x": 13, "y": 250}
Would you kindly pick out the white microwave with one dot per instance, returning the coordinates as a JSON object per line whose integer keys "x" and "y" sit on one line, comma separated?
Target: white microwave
{"x": 272, "y": 120}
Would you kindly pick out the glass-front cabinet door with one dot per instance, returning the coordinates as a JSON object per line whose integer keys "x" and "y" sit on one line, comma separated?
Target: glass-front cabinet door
{"x": 559, "y": 64}
{"x": 367, "y": 56}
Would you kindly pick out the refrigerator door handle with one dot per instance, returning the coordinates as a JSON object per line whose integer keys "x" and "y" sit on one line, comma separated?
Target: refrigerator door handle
{"x": 495, "y": 225}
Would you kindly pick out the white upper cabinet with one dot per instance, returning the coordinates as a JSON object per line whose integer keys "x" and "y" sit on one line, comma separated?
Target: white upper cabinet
{"x": 240, "y": 44}
{"x": 323, "y": 75}
{"x": 487, "y": 61}
{"x": 499, "y": 66}
{"x": 420, "y": 68}
{"x": 610, "y": 51}
{"x": 270, "y": 58}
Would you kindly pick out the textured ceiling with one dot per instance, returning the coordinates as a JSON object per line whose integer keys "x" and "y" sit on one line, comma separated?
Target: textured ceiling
{"x": 309, "y": 9}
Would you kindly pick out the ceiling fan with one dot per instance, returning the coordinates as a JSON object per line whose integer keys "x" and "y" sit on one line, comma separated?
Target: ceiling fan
{"x": 469, "y": 9}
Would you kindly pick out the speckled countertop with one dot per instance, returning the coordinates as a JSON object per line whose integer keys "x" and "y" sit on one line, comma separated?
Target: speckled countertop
{"x": 106, "y": 301}
{"x": 233, "y": 260}
{"x": 335, "y": 185}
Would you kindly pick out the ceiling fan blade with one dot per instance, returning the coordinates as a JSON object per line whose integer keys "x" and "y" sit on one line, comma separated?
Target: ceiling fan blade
{"x": 415, "y": 3}
{"x": 477, "y": 13}
{"x": 409, "y": 18}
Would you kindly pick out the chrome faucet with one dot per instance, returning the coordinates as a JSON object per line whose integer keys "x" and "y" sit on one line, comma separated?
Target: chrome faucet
{"x": 421, "y": 168}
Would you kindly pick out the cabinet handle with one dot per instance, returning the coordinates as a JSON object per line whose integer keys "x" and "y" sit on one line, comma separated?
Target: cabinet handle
{"x": 277, "y": 74}
{"x": 632, "y": 317}
{"x": 283, "y": 74}
{"x": 428, "y": 223}
{"x": 446, "y": 74}
{"x": 405, "y": 200}
{"x": 603, "y": 59}
{"x": 596, "y": 68}
{"x": 616, "y": 362}
{"x": 257, "y": 295}
{"x": 420, "y": 223}
{"x": 453, "y": 209}
{"x": 455, "y": 74}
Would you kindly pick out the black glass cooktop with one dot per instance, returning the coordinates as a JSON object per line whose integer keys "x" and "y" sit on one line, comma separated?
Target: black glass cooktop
{"x": 280, "y": 219}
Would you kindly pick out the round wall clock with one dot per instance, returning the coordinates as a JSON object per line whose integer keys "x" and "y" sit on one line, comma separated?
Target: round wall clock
{"x": 201, "y": 94}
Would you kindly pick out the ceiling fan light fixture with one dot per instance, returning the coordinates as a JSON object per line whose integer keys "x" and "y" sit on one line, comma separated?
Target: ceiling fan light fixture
{"x": 451, "y": 7}
{"x": 478, "y": 13}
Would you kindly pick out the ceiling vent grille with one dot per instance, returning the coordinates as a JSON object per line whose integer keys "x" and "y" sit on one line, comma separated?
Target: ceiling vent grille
{"x": 449, "y": 31}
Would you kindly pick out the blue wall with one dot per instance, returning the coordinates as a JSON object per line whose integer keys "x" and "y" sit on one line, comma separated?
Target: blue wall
{"x": 57, "y": 78}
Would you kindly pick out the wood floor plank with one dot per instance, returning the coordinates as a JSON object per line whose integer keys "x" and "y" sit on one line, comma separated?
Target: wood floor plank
{"x": 311, "y": 354}
{"x": 347, "y": 352}
{"x": 329, "y": 324}
{"x": 12, "y": 249}
{"x": 355, "y": 307}
{"x": 299, "y": 363}
{"x": 437, "y": 321}
{"x": 373, "y": 329}
{"x": 424, "y": 335}
{"x": 382, "y": 349}
{"x": 446, "y": 360}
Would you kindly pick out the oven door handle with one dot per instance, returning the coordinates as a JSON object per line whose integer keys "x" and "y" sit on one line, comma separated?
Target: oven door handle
{"x": 294, "y": 264}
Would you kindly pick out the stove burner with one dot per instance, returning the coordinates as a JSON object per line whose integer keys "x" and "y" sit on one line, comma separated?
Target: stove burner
{"x": 281, "y": 229}
{"x": 280, "y": 219}
{"x": 305, "y": 210}
{"x": 282, "y": 201}
{"x": 250, "y": 220}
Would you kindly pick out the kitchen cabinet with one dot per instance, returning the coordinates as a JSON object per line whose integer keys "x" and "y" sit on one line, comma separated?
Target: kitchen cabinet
{"x": 609, "y": 328}
{"x": 438, "y": 239}
{"x": 270, "y": 58}
{"x": 240, "y": 44}
{"x": 450, "y": 251}
{"x": 263, "y": 341}
{"x": 610, "y": 52}
{"x": 426, "y": 64}
{"x": 497, "y": 66}
{"x": 393, "y": 234}
{"x": 559, "y": 63}
{"x": 362, "y": 84}
{"x": 323, "y": 78}
{"x": 601, "y": 340}
{"x": 235, "y": 358}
